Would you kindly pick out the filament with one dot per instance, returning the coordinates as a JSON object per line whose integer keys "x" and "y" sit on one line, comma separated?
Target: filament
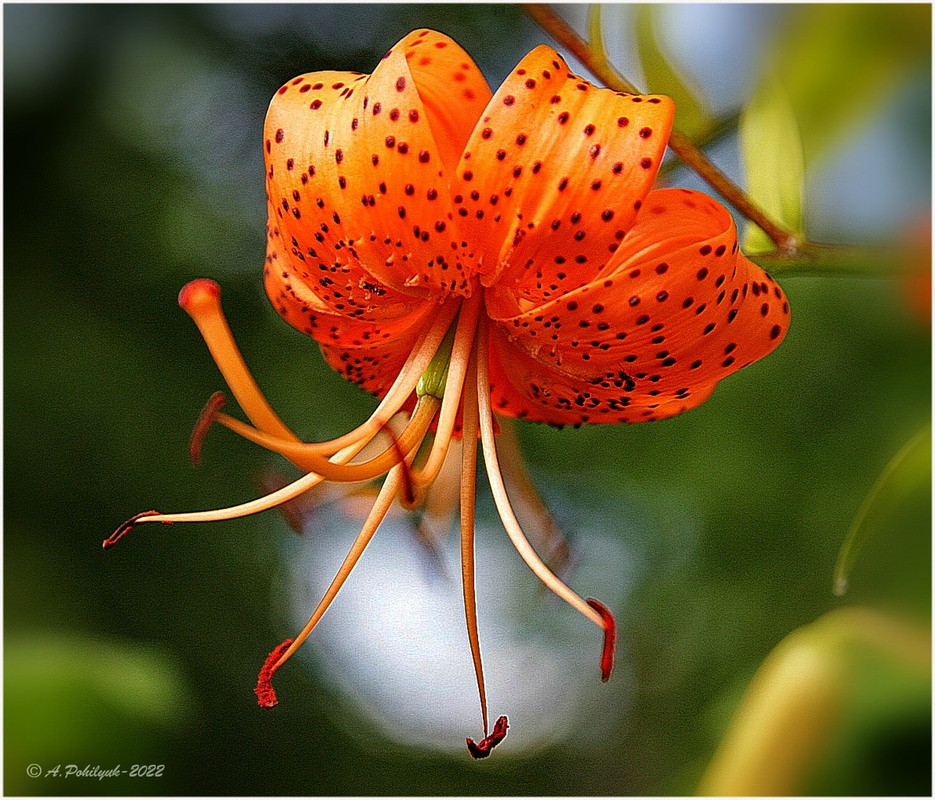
{"x": 454, "y": 385}
{"x": 513, "y": 529}
{"x": 542, "y": 530}
{"x": 410, "y": 439}
{"x": 377, "y": 513}
{"x": 468, "y": 487}
{"x": 270, "y": 500}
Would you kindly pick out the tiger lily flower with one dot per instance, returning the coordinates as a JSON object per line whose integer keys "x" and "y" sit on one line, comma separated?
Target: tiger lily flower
{"x": 463, "y": 255}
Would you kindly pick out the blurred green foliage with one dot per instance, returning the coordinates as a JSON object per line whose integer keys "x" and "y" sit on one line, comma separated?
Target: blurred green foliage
{"x": 840, "y": 64}
{"x": 133, "y": 165}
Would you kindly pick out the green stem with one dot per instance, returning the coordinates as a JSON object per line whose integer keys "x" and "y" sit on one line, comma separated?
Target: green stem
{"x": 835, "y": 260}
{"x": 595, "y": 60}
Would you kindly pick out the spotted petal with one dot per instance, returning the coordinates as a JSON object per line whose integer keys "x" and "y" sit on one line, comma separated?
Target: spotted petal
{"x": 677, "y": 309}
{"x": 552, "y": 178}
{"x": 357, "y": 174}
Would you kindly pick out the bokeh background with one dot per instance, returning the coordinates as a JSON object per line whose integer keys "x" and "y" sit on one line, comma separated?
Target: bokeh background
{"x": 133, "y": 164}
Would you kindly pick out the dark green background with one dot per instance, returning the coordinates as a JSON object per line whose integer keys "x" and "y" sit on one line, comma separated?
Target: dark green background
{"x": 122, "y": 182}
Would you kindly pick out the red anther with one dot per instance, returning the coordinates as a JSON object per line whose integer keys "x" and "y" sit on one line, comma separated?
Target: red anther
{"x": 293, "y": 511}
{"x": 610, "y": 637}
{"x": 126, "y": 527}
{"x": 266, "y": 696}
{"x": 205, "y": 419}
{"x": 482, "y": 748}
{"x": 198, "y": 290}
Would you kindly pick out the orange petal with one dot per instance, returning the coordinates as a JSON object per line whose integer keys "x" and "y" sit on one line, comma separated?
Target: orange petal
{"x": 678, "y": 309}
{"x": 452, "y": 88}
{"x": 552, "y": 178}
{"x": 524, "y": 388}
{"x": 367, "y": 352}
{"x": 372, "y": 354}
{"x": 355, "y": 172}
{"x": 298, "y": 281}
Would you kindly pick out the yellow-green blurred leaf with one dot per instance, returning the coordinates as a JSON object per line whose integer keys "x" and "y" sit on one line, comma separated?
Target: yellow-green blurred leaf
{"x": 790, "y": 719}
{"x": 838, "y": 61}
{"x": 909, "y": 471}
{"x": 772, "y": 154}
{"x": 661, "y": 77}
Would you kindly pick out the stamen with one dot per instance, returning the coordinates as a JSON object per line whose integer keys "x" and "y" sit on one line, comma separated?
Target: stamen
{"x": 438, "y": 506}
{"x": 543, "y": 531}
{"x": 454, "y": 385}
{"x": 270, "y": 500}
{"x": 405, "y": 475}
{"x": 482, "y": 748}
{"x": 501, "y": 499}
{"x": 610, "y": 638}
{"x": 294, "y": 512}
{"x": 377, "y": 513}
{"x": 201, "y": 299}
{"x": 266, "y": 695}
{"x": 468, "y": 488}
{"x": 411, "y": 438}
{"x": 129, "y": 525}
{"x": 205, "y": 418}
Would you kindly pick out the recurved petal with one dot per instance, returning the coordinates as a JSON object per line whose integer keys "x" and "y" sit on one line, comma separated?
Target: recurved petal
{"x": 370, "y": 354}
{"x": 353, "y": 164}
{"x": 524, "y": 388}
{"x": 552, "y": 178}
{"x": 300, "y": 282}
{"x": 678, "y": 309}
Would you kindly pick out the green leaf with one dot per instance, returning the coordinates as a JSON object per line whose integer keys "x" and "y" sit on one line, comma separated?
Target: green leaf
{"x": 690, "y": 116}
{"x": 772, "y": 155}
{"x": 909, "y": 471}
